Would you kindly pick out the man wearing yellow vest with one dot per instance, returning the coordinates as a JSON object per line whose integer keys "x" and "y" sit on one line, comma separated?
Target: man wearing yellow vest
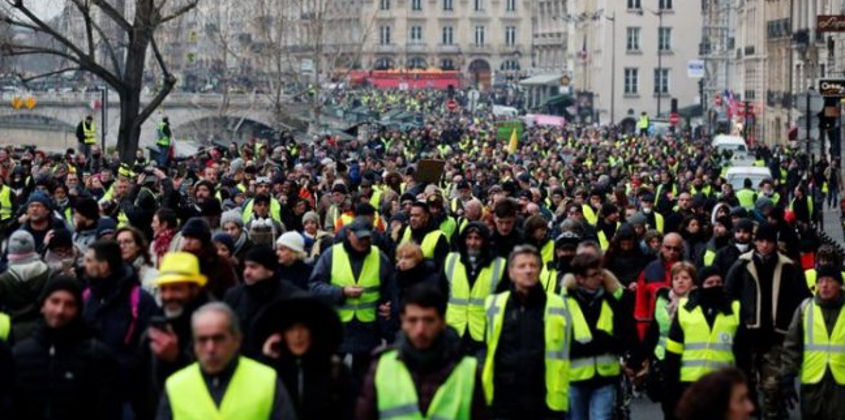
{"x": 471, "y": 274}
{"x": 595, "y": 368}
{"x": 643, "y": 124}
{"x": 222, "y": 384}
{"x": 813, "y": 350}
{"x": 86, "y": 135}
{"x": 826, "y": 255}
{"x": 354, "y": 276}
{"x": 528, "y": 336}
{"x": 421, "y": 230}
{"x": 421, "y": 376}
{"x": 707, "y": 334}
{"x": 747, "y": 196}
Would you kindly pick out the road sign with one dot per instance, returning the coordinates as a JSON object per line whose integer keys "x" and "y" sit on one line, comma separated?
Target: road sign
{"x": 816, "y": 101}
{"x": 30, "y": 102}
{"x": 451, "y": 105}
{"x": 674, "y": 118}
{"x": 695, "y": 69}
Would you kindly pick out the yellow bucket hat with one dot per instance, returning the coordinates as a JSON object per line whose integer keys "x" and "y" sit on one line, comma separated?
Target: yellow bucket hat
{"x": 180, "y": 267}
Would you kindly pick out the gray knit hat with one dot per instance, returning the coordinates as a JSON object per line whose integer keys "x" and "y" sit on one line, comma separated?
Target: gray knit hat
{"x": 232, "y": 216}
{"x": 311, "y": 216}
{"x": 21, "y": 246}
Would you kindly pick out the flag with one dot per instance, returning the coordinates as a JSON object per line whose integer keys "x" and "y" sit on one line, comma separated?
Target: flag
{"x": 513, "y": 142}
{"x": 583, "y": 53}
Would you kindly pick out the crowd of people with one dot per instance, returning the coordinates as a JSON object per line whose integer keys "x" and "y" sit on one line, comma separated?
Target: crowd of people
{"x": 329, "y": 279}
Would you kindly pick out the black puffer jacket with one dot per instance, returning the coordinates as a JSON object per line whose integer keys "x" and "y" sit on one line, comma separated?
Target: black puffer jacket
{"x": 64, "y": 374}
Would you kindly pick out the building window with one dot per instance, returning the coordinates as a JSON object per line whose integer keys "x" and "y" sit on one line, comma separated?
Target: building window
{"x": 634, "y": 4}
{"x": 632, "y": 81}
{"x": 632, "y": 42}
{"x": 510, "y": 5}
{"x": 384, "y": 35}
{"x": 510, "y": 36}
{"x": 383, "y": 63}
{"x": 664, "y": 39}
{"x": 416, "y": 63}
{"x": 416, "y": 5}
{"x": 447, "y": 64}
{"x": 448, "y": 35}
{"x": 661, "y": 81}
{"x": 416, "y": 34}
{"x": 665, "y": 4}
{"x": 479, "y": 35}
{"x": 509, "y": 65}
{"x": 384, "y": 4}
{"x": 447, "y": 5}
{"x": 479, "y": 5}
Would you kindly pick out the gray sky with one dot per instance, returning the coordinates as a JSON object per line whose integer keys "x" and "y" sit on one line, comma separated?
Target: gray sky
{"x": 46, "y": 9}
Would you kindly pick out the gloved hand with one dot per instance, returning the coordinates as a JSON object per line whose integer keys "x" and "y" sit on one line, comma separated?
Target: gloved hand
{"x": 787, "y": 390}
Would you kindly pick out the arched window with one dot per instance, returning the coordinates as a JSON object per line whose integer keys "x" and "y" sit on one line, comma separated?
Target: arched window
{"x": 447, "y": 64}
{"x": 509, "y": 65}
{"x": 416, "y": 63}
{"x": 383, "y": 63}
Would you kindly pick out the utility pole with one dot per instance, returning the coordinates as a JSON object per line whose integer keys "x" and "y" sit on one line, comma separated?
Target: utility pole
{"x": 612, "y": 19}
{"x": 659, "y": 61}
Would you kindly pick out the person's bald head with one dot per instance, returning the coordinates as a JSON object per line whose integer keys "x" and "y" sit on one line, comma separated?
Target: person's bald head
{"x": 472, "y": 209}
{"x": 673, "y": 247}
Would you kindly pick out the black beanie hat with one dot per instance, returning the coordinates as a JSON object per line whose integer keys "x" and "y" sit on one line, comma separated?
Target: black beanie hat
{"x": 61, "y": 239}
{"x": 829, "y": 271}
{"x": 68, "y": 284}
{"x": 197, "y": 227}
{"x": 88, "y": 207}
{"x": 706, "y": 272}
{"x": 766, "y": 232}
{"x": 264, "y": 255}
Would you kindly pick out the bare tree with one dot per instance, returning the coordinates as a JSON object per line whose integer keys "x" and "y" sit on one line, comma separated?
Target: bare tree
{"x": 113, "y": 45}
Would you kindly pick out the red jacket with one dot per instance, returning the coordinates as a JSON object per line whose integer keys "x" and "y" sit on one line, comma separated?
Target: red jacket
{"x": 655, "y": 276}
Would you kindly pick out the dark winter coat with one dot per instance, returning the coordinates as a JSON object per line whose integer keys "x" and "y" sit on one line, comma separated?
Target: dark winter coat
{"x": 20, "y": 287}
{"x": 65, "y": 374}
{"x": 247, "y": 300}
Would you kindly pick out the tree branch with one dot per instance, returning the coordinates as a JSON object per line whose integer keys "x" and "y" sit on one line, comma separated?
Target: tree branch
{"x": 179, "y": 12}
{"x": 26, "y": 80}
{"x": 114, "y": 14}
{"x": 109, "y": 47}
{"x": 156, "y": 101}
{"x": 89, "y": 33}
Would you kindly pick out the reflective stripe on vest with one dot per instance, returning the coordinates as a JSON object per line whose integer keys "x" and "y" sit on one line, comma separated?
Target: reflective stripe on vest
{"x": 429, "y": 242}
{"x": 5, "y": 326}
{"x": 822, "y": 351}
{"x": 249, "y": 395}
{"x": 606, "y": 365}
{"x": 5, "y": 202}
{"x": 557, "y": 335}
{"x": 397, "y": 395}
{"x": 364, "y": 307}
{"x": 466, "y": 306}
{"x": 704, "y": 349}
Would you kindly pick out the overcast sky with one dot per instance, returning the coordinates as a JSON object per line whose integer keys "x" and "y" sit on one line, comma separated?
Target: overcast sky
{"x": 45, "y": 9}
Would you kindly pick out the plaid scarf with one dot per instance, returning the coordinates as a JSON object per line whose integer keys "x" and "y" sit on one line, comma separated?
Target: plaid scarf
{"x": 161, "y": 244}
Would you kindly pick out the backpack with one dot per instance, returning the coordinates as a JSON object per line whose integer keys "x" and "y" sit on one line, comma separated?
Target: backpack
{"x": 134, "y": 300}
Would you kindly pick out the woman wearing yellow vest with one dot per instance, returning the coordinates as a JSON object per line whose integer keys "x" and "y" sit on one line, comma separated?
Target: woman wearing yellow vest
{"x": 814, "y": 350}
{"x": 706, "y": 335}
{"x": 665, "y": 309}
{"x": 595, "y": 366}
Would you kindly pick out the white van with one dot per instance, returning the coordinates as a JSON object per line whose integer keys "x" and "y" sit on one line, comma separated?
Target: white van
{"x": 735, "y": 144}
{"x": 736, "y": 175}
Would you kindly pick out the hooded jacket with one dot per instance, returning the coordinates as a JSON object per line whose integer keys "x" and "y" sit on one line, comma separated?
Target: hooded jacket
{"x": 20, "y": 287}
{"x": 484, "y": 258}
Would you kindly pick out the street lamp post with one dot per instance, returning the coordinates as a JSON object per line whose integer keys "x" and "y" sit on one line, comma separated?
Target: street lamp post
{"x": 659, "y": 14}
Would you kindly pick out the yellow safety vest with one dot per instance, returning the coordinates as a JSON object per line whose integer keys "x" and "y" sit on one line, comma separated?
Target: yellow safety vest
{"x": 275, "y": 210}
{"x": 448, "y": 227}
{"x": 746, "y": 198}
{"x": 397, "y": 396}
{"x": 709, "y": 257}
{"x": 163, "y": 139}
{"x": 89, "y": 132}
{"x": 362, "y": 308}
{"x": 429, "y": 243}
{"x": 548, "y": 278}
{"x": 5, "y": 203}
{"x": 822, "y": 350}
{"x": 589, "y": 214}
{"x": 606, "y": 365}
{"x": 5, "y": 326}
{"x": 664, "y": 321}
{"x": 557, "y": 337}
{"x": 466, "y": 305}
{"x": 643, "y": 122}
{"x": 249, "y": 395}
{"x": 704, "y": 350}
{"x": 547, "y": 252}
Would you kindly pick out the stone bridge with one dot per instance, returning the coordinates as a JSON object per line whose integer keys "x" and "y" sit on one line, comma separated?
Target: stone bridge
{"x": 51, "y": 124}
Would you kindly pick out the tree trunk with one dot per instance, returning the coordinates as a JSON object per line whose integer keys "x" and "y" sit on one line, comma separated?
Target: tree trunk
{"x": 129, "y": 134}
